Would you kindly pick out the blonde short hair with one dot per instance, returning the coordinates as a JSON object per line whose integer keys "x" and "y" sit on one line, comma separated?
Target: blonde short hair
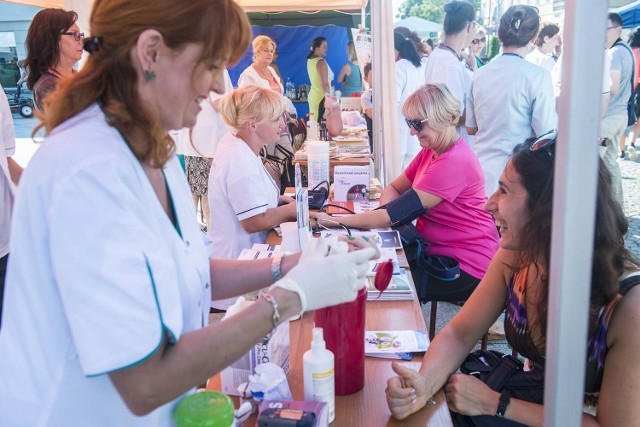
{"x": 434, "y": 102}
{"x": 262, "y": 42}
{"x": 251, "y": 103}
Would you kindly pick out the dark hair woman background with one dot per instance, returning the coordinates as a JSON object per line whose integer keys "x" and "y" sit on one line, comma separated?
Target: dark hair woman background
{"x": 409, "y": 77}
{"x": 54, "y": 45}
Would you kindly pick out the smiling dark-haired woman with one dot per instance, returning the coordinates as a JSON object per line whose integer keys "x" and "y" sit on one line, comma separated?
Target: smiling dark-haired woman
{"x": 54, "y": 46}
{"x": 518, "y": 280}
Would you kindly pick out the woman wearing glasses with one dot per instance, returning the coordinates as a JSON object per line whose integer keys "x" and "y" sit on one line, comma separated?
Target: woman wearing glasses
{"x": 54, "y": 46}
{"x": 476, "y": 47}
{"x": 509, "y": 99}
{"x": 447, "y": 179}
{"x": 109, "y": 282}
{"x": 518, "y": 280}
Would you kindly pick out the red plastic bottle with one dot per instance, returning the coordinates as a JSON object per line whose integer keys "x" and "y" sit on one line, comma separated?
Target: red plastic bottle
{"x": 343, "y": 327}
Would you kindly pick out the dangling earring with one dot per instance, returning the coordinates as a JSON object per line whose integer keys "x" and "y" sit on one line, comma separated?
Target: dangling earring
{"x": 149, "y": 75}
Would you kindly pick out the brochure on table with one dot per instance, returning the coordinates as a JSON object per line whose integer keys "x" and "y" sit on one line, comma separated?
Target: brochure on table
{"x": 394, "y": 344}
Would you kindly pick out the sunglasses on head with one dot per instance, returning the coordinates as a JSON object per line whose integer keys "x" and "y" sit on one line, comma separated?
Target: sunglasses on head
{"x": 544, "y": 141}
{"x": 478, "y": 41}
{"x": 77, "y": 35}
{"x": 415, "y": 124}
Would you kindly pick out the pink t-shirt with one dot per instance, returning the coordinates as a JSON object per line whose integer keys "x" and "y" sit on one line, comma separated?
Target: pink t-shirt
{"x": 458, "y": 226}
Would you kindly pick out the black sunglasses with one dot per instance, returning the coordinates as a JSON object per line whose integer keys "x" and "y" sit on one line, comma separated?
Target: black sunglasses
{"x": 415, "y": 124}
{"x": 77, "y": 35}
{"x": 478, "y": 41}
{"x": 545, "y": 141}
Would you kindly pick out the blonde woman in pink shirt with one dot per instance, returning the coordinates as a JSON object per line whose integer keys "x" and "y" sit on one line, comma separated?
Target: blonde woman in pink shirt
{"x": 443, "y": 188}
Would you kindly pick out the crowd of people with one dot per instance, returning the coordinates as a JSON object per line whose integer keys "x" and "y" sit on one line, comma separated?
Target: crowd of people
{"x": 107, "y": 320}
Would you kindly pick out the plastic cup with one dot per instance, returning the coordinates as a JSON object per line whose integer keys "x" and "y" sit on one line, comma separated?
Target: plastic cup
{"x": 290, "y": 238}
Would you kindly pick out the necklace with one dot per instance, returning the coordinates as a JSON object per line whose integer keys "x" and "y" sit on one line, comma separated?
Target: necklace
{"x": 460, "y": 58}
{"x": 512, "y": 54}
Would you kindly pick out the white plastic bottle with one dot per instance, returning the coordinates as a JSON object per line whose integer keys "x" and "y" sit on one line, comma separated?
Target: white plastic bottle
{"x": 312, "y": 128}
{"x": 318, "y": 161}
{"x": 319, "y": 375}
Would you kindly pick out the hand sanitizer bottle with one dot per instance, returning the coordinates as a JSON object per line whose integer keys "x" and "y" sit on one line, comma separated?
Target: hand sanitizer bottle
{"x": 319, "y": 380}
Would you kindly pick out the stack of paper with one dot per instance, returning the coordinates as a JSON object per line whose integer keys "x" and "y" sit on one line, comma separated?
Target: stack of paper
{"x": 399, "y": 289}
{"x": 395, "y": 344}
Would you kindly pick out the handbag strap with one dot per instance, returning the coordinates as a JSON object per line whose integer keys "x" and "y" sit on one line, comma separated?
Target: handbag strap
{"x": 633, "y": 66}
{"x": 628, "y": 283}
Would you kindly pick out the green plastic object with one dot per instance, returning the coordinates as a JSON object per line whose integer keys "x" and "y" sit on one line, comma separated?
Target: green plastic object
{"x": 204, "y": 409}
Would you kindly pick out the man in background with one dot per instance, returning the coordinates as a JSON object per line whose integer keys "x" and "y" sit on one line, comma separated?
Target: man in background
{"x": 615, "y": 119}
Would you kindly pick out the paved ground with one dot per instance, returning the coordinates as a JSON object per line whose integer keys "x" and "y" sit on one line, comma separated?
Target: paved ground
{"x": 630, "y": 181}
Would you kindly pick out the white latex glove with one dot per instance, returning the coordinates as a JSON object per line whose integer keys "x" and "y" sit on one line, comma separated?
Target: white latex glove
{"x": 326, "y": 275}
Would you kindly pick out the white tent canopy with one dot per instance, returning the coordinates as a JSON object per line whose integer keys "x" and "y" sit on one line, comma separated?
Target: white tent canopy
{"x": 421, "y": 26}
{"x": 247, "y": 5}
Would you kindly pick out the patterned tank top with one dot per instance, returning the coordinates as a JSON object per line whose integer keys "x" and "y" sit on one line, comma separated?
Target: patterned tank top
{"x": 518, "y": 334}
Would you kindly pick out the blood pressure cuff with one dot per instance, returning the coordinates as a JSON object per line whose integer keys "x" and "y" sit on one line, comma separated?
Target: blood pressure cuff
{"x": 405, "y": 208}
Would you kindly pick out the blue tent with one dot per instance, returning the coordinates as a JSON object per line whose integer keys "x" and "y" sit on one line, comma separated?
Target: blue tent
{"x": 630, "y": 14}
{"x": 293, "y": 46}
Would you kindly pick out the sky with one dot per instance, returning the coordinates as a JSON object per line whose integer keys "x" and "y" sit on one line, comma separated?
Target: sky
{"x": 396, "y": 5}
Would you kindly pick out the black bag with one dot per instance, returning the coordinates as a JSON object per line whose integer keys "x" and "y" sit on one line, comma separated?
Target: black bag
{"x": 424, "y": 266}
{"x": 500, "y": 372}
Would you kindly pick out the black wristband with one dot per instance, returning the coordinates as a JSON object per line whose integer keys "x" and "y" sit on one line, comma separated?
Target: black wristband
{"x": 505, "y": 397}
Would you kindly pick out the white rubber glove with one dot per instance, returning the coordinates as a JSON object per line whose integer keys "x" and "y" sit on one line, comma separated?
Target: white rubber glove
{"x": 326, "y": 275}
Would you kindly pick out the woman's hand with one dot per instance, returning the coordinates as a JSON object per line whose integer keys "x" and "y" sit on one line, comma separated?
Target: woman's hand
{"x": 322, "y": 216}
{"x": 285, "y": 200}
{"x": 407, "y": 393}
{"x": 468, "y": 395}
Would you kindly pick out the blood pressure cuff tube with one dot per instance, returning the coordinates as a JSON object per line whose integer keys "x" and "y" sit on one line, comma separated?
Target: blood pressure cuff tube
{"x": 405, "y": 208}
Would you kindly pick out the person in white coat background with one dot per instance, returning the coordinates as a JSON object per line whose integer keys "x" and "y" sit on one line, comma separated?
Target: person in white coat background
{"x": 408, "y": 79}
{"x": 510, "y": 99}
{"x": 446, "y": 64}
{"x": 9, "y": 176}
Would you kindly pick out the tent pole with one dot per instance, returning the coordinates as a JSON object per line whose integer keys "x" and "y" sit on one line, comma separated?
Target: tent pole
{"x": 385, "y": 120}
{"x": 575, "y": 188}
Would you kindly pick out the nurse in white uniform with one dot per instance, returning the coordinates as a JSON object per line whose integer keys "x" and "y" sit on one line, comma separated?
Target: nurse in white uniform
{"x": 510, "y": 99}
{"x": 109, "y": 282}
{"x": 245, "y": 200}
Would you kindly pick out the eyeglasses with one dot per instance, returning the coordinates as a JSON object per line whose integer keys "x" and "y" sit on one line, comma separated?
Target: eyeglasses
{"x": 415, "y": 124}
{"x": 478, "y": 41}
{"x": 544, "y": 141}
{"x": 77, "y": 35}
{"x": 611, "y": 28}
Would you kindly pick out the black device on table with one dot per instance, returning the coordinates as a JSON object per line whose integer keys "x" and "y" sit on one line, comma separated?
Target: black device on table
{"x": 280, "y": 417}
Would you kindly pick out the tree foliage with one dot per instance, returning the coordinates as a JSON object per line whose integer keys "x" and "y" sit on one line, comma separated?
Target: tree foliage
{"x": 431, "y": 10}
